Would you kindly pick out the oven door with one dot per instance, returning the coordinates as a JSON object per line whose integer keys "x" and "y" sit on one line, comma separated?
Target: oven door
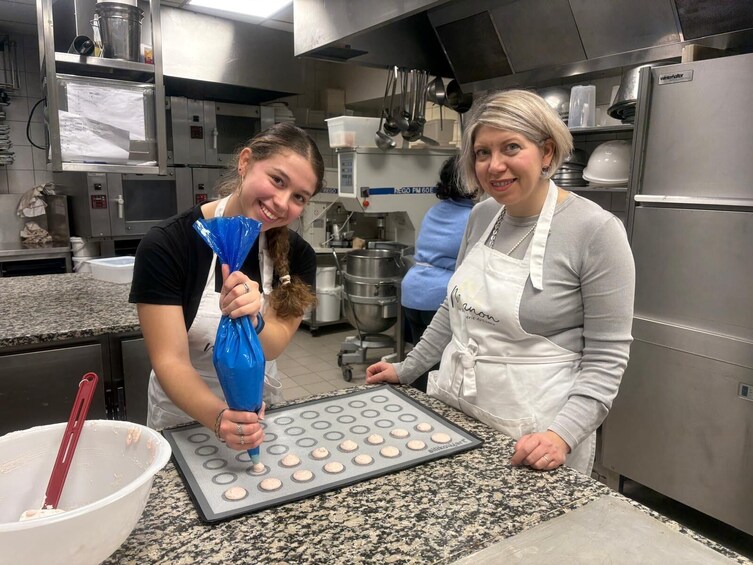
{"x": 236, "y": 124}
{"x": 138, "y": 202}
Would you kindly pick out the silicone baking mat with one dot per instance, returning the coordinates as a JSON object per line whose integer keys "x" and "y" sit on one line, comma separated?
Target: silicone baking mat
{"x": 349, "y": 427}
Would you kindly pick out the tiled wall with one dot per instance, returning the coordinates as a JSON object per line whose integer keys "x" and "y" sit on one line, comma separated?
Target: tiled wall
{"x": 29, "y": 168}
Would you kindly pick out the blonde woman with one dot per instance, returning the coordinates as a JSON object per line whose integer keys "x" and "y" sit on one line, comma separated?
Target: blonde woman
{"x": 534, "y": 335}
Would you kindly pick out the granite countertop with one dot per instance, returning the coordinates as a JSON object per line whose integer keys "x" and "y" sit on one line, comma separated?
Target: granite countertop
{"x": 47, "y": 308}
{"x": 438, "y": 512}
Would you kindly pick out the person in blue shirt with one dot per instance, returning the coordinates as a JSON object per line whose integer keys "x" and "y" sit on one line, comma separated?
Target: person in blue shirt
{"x": 424, "y": 286}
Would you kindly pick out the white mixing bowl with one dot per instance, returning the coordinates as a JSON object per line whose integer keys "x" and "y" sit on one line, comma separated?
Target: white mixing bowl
{"x": 104, "y": 496}
{"x": 609, "y": 164}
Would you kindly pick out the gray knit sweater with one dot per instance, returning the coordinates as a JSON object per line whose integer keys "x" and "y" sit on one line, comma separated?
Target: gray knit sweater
{"x": 586, "y": 305}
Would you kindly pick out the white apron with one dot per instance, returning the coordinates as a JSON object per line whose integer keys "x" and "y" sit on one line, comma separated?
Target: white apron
{"x": 163, "y": 413}
{"x": 493, "y": 369}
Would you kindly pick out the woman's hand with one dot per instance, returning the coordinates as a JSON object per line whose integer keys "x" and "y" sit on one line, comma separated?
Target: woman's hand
{"x": 241, "y": 430}
{"x": 381, "y": 372}
{"x": 543, "y": 450}
{"x": 240, "y": 295}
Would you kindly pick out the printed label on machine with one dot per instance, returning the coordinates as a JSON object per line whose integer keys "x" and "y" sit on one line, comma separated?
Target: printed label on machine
{"x": 403, "y": 190}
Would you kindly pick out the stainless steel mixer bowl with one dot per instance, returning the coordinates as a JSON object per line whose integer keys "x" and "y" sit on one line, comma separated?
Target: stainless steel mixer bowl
{"x": 627, "y": 93}
{"x": 557, "y": 97}
{"x": 371, "y": 305}
{"x": 377, "y": 264}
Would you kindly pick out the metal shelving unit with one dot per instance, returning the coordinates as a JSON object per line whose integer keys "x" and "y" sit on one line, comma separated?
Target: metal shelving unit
{"x": 54, "y": 63}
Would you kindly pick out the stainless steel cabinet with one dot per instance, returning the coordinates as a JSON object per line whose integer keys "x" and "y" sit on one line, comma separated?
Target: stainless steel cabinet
{"x": 136, "y": 369}
{"x": 38, "y": 387}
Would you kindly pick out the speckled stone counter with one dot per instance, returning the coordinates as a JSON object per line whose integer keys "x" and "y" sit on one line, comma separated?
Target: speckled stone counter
{"x": 48, "y": 308}
{"x": 435, "y": 513}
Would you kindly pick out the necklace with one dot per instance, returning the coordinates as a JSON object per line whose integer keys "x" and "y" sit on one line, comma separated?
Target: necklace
{"x": 497, "y": 224}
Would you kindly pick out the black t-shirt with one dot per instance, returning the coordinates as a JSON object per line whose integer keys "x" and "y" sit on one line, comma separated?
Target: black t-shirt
{"x": 172, "y": 264}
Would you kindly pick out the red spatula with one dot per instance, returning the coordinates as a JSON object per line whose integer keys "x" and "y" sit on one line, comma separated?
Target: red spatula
{"x": 86, "y": 389}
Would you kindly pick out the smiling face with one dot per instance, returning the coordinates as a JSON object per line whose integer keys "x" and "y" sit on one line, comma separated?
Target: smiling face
{"x": 275, "y": 190}
{"x": 508, "y": 167}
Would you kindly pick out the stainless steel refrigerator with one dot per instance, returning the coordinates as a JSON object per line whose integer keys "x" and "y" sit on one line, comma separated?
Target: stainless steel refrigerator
{"x": 682, "y": 423}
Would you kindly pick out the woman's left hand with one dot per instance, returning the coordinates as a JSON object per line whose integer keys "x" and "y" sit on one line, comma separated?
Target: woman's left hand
{"x": 542, "y": 450}
{"x": 240, "y": 295}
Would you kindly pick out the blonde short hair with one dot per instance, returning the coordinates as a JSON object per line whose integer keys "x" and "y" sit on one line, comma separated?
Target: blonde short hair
{"x": 521, "y": 111}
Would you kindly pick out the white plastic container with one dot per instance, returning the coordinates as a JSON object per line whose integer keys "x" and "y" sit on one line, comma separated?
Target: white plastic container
{"x": 105, "y": 492}
{"x": 582, "y": 107}
{"x": 81, "y": 247}
{"x": 325, "y": 277}
{"x": 328, "y": 306}
{"x": 113, "y": 269}
{"x": 81, "y": 264}
{"x": 352, "y": 131}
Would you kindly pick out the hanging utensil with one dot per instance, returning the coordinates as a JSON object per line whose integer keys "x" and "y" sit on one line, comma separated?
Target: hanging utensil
{"x": 81, "y": 404}
{"x": 403, "y": 122}
{"x": 384, "y": 141}
{"x": 390, "y": 123}
{"x": 456, "y": 99}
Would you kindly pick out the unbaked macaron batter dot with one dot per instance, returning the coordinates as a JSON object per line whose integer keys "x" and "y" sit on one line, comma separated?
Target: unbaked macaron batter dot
{"x": 290, "y": 460}
{"x": 363, "y": 459}
{"x": 390, "y": 452}
{"x": 270, "y": 484}
{"x": 348, "y": 445}
{"x": 416, "y": 445}
{"x": 235, "y": 493}
{"x": 334, "y": 467}
{"x": 303, "y": 476}
{"x": 375, "y": 439}
{"x": 440, "y": 437}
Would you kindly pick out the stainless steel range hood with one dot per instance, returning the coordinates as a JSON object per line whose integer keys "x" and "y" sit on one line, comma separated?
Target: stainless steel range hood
{"x": 213, "y": 58}
{"x": 501, "y": 43}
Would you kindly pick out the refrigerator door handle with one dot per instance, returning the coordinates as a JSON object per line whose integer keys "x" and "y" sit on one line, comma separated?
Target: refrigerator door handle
{"x": 695, "y": 200}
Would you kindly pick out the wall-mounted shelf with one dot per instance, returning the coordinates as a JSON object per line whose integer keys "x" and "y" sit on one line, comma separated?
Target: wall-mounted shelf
{"x": 598, "y": 188}
{"x": 602, "y": 129}
{"x": 81, "y": 92}
{"x": 70, "y": 63}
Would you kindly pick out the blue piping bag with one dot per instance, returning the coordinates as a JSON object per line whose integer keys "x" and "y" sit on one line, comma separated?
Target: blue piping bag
{"x": 238, "y": 356}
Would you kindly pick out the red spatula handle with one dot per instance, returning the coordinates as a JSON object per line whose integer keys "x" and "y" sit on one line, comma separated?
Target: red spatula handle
{"x": 86, "y": 389}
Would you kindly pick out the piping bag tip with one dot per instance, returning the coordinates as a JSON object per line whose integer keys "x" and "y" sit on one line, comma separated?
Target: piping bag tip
{"x": 254, "y": 455}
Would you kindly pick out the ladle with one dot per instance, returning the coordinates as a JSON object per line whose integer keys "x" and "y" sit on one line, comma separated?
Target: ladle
{"x": 384, "y": 141}
{"x": 81, "y": 404}
{"x": 403, "y": 121}
{"x": 435, "y": 94}
{"x": 390, "y": 124}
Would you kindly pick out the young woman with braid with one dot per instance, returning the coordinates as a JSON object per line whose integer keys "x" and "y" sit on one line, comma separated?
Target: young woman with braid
{"x": 181, "y": 290}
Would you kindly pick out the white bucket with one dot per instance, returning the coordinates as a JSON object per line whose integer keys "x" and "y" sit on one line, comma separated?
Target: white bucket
{"x": 328, "y": 307}
{"x": 80, "y": 247}
{"x": 325, "y": 277}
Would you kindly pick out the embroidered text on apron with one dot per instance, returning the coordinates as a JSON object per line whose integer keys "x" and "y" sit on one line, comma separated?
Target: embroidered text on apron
{"x": 163, "y": 413}
{"x": 492, "y": 368}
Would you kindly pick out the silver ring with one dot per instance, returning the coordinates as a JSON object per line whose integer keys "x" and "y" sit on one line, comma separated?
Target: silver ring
{"x": 243, "y": 441}
{"x": 239, "y": 430}
{"x": 546, "y": 458}
{"x": 245, "y": 285}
